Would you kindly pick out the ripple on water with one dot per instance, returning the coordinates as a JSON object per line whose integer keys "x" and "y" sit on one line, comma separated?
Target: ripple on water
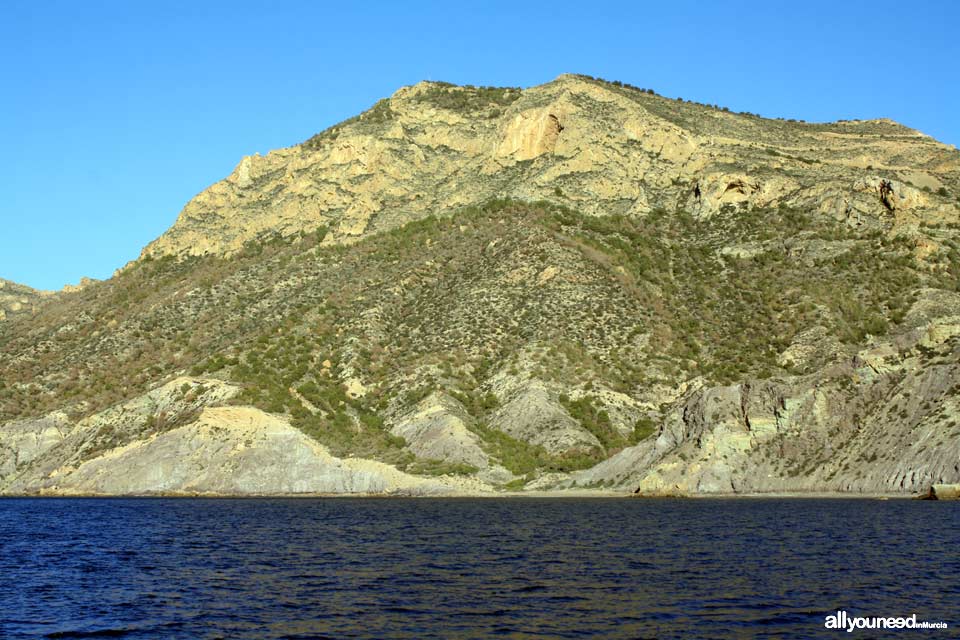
{"x": 468, "y": 568}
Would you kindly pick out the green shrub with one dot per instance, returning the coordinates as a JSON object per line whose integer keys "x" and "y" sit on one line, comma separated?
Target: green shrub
{"x": 468, "y": 98}
{"x": 440, "y": 468}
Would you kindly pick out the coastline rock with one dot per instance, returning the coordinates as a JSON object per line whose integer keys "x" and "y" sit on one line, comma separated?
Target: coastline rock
{"x": 233, "y": 451}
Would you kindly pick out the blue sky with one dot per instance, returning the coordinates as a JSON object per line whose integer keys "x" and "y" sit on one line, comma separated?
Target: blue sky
{"x": 114, "y": 114}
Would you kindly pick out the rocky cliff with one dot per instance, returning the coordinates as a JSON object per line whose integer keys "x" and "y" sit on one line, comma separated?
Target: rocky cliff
{"x": 599, "y": 147}
{"x": 17, "y": 299}
{"x": 580, "y": 285}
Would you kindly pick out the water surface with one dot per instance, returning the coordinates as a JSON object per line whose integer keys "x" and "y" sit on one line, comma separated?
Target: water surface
{"x": 471, "y": 568}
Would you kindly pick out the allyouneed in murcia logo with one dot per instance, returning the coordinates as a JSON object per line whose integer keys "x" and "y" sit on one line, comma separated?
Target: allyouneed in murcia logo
{"x": 841, "y": 620}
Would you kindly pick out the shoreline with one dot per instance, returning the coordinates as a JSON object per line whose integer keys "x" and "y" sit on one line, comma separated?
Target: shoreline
{"x": 554, "y": 495}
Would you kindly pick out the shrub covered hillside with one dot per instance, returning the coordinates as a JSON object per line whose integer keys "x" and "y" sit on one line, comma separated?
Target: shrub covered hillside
{"x": 557, "y": 340}
{"x": 471, "y": 289}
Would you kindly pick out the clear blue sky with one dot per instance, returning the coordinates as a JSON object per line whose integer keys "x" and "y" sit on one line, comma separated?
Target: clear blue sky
{"x": 114, "y": 114}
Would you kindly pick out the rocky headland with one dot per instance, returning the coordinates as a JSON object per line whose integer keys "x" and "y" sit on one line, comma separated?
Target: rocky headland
{"x": 580, "y": 287}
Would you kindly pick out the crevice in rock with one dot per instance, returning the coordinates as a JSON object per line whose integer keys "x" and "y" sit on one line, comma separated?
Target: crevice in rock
{"x": 737, "y": 186}
{"x": 744, "y": 400}
{"x": 556, "y": 123}
{"x": 886, "y": 190}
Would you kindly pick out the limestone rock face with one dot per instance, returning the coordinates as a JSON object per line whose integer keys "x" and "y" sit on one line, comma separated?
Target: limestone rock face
{"x": 596, "y": 146}
{"x": 67, "y": 444}
{"x": 218, "y": 450}
{"x": 232, "y": 451}
{"x": 17, "y": 299}
{"x": 530, "y": 134}
{"x": 436, "y": 429}
{"x": 23, "y": 441}
{"x": 878, "y": 423}
{"x": 535, "y": 416}
{"x": 80, "y": 286}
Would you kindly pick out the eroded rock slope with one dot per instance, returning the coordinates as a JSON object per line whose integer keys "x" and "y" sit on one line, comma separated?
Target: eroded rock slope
{"x": 462, "y": 290}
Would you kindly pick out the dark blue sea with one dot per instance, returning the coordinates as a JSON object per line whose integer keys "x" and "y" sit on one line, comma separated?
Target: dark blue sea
{"x": 472, "y": 568}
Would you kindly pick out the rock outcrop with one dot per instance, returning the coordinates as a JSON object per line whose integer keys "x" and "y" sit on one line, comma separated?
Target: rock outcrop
{"x": 592, "y": 145}
{"x": 234, "y": 451}
{"x": 220, "y": 450}
{"x": 436, "y": 429}
{"x": 17, "y": 299}
{"x": 534, "y": 415}
{"x": 942, "y": 492}
{"x": 882, "y": 422}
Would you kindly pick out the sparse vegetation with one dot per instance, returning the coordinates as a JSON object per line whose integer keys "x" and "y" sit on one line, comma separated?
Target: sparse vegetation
{"x": 622, "y": 316}
{"x": 469, "y": 98}
{"x": 713, "y": 315}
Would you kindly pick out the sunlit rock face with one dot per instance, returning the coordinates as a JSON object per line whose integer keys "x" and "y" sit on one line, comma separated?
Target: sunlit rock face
{"x": 596, "y": 146}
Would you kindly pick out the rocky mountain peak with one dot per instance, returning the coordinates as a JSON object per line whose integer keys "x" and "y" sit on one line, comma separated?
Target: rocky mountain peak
{"x": 603, "y": 148}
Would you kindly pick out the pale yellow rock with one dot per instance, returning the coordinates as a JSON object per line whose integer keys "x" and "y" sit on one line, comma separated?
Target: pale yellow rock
{"x": 922, "y": 179}
{"x": 547, "y": 275}
{"x": 239, "y": 451}
{"x": 530, "y": 134}
{"x": 355, "y": 388}
{"x": 610, "y": 150}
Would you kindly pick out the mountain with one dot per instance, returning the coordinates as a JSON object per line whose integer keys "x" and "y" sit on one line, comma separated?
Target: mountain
{"x": 579, "y": 285}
